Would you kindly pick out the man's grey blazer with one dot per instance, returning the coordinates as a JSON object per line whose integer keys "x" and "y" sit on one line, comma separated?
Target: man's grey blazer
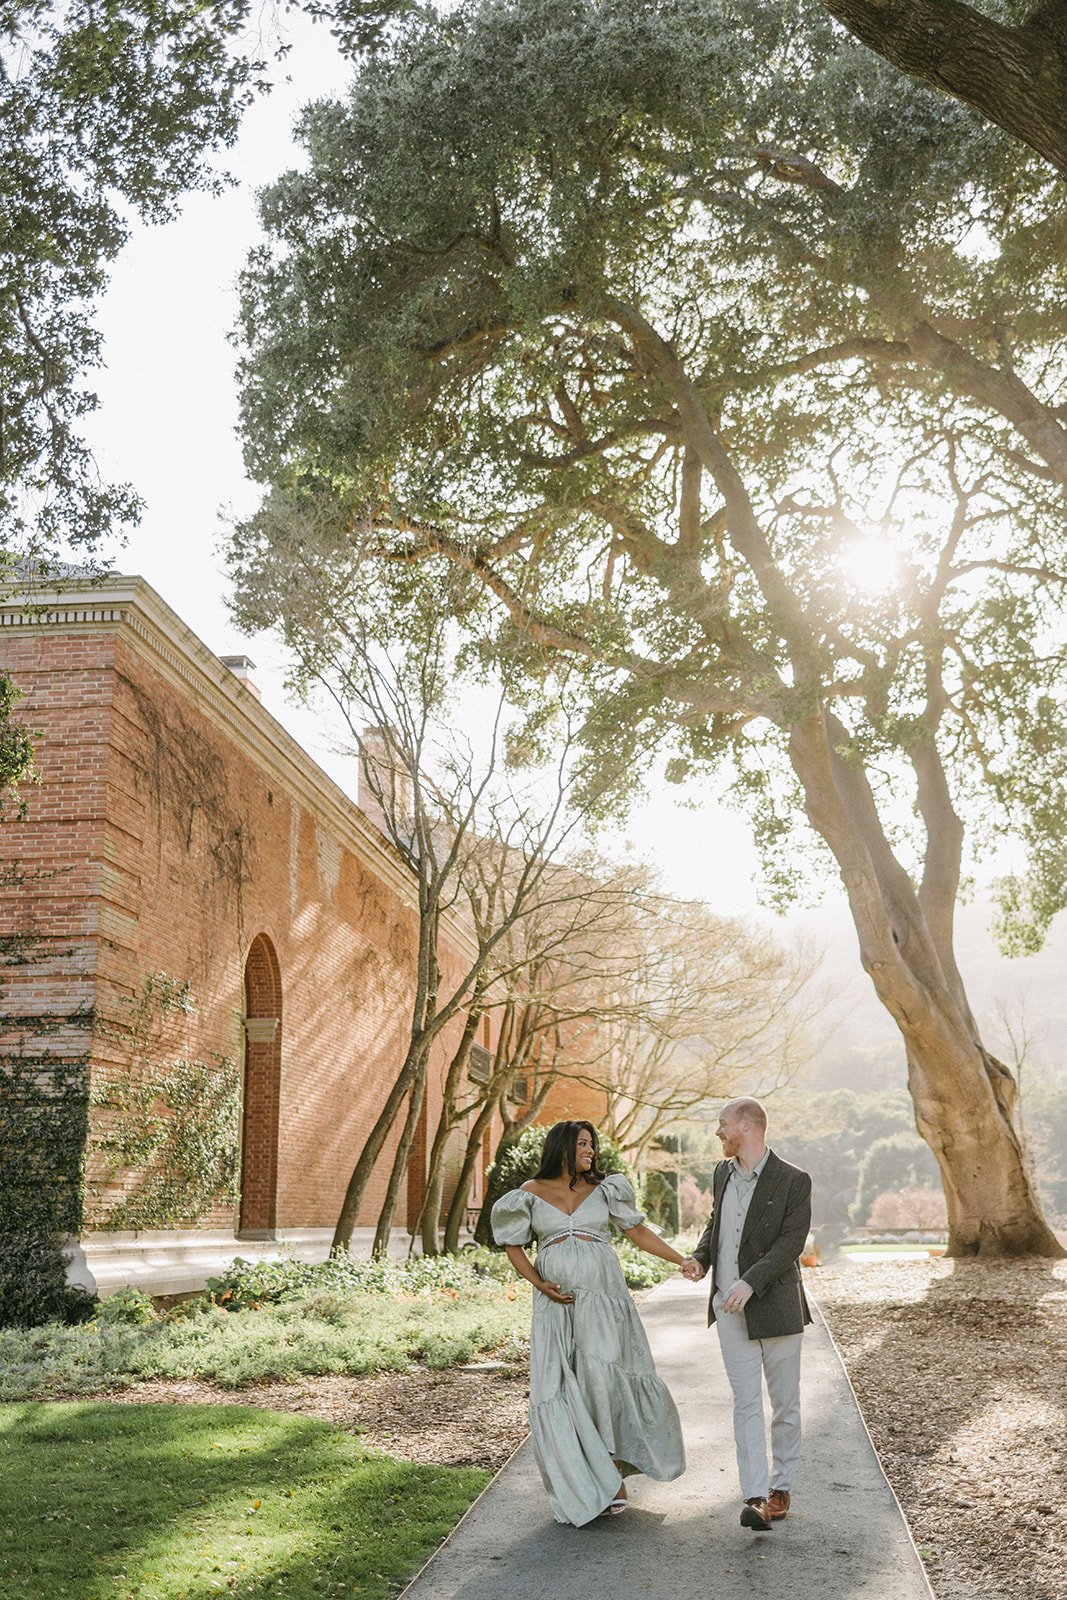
{"x": 776, "y": 1227}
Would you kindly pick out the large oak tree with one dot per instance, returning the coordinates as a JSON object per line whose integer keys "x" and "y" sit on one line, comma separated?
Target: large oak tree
{"x": 663, "y": 325}
{"x": 108, "y": 108}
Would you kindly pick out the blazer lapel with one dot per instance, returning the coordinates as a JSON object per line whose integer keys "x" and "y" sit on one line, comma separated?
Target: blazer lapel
{"x": 718, "y": 1185}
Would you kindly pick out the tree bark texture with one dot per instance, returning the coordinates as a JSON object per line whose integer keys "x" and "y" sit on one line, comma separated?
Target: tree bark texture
{"x": 428, "y": 1222}
{"x": 965, "y": 1100}
{"x": 1016, "y": 77}
{"x": 400, "y": 1161}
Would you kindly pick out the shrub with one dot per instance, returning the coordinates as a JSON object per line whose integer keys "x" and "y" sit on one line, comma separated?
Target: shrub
{"x": 130, "y": 1306}
{"x": 659, "y": 1199}
{"x": 899, "y": 1161}
{"x": 323, "y": 1333}
{"x": 33, "y": 1281}
{"x": 248, "y": 1285}
{"x": 694, "y": 1205}
{"x": 640, "y": 1270}
{"x": 909, "y": 1208}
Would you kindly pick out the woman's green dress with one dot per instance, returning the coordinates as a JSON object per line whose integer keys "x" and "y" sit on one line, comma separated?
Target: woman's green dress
{"x": 595, "y": 1397}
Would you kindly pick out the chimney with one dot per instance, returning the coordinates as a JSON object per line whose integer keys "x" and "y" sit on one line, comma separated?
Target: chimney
{"x": 384, "y": 792}
{"x": 242, "y": 668}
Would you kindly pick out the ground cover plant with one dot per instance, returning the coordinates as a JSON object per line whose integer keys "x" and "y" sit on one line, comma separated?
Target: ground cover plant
{"x": 185, "y": 1502}
{"x": 324, "y": 1331}
{"x": 288, "y": 1319}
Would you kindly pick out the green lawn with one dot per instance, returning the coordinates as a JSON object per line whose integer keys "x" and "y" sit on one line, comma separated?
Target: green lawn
{"x": 111, "y": 1502}
{"x": 891, "y": 1249}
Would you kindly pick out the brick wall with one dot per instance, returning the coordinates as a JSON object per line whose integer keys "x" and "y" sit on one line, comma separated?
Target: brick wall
{"x": 165, "y": 840}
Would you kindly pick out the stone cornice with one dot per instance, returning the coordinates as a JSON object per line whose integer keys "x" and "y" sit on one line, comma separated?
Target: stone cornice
{"x": 130, "y": 605}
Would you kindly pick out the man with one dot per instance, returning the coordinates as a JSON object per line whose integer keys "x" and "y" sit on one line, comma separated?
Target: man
{"x": 752, "y": 1245}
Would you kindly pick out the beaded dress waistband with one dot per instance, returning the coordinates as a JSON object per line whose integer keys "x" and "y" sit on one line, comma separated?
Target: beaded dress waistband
{"x": 594, "y": 1235}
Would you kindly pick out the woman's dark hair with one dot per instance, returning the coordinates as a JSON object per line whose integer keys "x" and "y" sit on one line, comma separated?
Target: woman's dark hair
{"x": 560, "y": 1150}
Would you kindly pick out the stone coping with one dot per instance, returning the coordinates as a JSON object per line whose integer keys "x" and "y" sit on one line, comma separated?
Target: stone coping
{"x": 180, "y": 1261}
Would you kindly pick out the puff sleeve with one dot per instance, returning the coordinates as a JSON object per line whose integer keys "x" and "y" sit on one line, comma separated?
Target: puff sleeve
{"x": 621, "y": 1205}
{"x": 510, "y": 1220}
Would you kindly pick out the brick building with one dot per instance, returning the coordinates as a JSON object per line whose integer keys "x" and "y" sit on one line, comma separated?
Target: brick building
{"x": 179, "y": 830}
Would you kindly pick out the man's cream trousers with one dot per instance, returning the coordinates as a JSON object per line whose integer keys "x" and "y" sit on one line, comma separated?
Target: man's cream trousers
{"x": 747, "y": 1362}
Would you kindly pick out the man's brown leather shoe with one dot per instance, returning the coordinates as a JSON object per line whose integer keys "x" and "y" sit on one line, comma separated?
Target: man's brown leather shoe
{"x": 778, "y": 1504}
{"x": 756, "y": 1514}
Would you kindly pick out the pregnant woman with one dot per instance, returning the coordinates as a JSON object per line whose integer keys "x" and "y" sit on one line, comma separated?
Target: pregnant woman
{"x": 598, "y": 1411}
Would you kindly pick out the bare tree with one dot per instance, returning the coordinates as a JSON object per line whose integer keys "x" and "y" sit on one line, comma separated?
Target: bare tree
{"x": 547, "y": 991}
{"x": 721, "y": 1008}
{"x": 479, "y": 838}
{"x": 656, "y": 1005}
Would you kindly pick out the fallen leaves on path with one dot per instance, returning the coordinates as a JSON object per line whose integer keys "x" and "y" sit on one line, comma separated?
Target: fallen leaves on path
{"x": 961, "y": 1372}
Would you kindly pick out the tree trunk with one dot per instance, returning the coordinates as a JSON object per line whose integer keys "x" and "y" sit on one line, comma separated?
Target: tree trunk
{"x": 1017, "y": 77}
{"x": 965, "y": 1101}
{"x": 400, "y": 1161}
{"x": 429, "y": 1217}
{"x": 458, "y": 1206}
{"x": 423, "y": 1031}
{"x": 372, "y": 1148}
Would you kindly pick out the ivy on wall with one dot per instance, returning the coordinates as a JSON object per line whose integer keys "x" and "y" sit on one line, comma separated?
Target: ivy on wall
{"x": 16, "y": 750}
{"x": 169, "y": 1127}
{"x": 44, "y": 1070}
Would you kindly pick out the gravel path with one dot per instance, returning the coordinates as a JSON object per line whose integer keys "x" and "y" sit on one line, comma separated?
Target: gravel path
{"x": 961, "y": 1372}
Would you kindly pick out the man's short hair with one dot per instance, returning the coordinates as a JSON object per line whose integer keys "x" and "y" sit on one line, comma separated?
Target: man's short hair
{"x": 751, "y": 1110}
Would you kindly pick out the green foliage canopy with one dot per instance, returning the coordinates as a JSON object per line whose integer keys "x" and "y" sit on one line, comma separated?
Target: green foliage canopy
{"x": 643, "y": 317}
{"x": 106, "y": 111}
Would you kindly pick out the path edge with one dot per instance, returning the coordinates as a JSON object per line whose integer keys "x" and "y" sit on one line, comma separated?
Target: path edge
{"x": 447, "y": 1540}
{"x": 813, "y": 1297}
{"x": 451, "y": 1534}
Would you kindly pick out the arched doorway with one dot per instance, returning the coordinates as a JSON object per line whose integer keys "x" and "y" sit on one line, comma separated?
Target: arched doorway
{"x": 262, "y": 1091}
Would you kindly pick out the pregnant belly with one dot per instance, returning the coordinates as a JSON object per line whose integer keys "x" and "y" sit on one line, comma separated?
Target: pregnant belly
{"x": 578, "y": 1262}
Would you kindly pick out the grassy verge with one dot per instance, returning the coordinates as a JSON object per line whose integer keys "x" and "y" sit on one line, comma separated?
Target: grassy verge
{"x": 892, "y": 1249}
{"x": 103, "y": 1502}
{"x": 286, "y": 1319}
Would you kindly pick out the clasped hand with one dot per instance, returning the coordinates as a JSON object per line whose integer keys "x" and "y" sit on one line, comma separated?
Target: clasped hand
{"x": 691, "y": 1269}
{"x": 737, "y": 1297}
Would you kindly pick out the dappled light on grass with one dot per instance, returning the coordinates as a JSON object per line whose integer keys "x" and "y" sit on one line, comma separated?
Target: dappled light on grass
{"x": 103, "y": 1502}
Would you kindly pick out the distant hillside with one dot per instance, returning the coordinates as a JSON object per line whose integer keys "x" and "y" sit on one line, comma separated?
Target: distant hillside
{"x": 862, "y": 1048}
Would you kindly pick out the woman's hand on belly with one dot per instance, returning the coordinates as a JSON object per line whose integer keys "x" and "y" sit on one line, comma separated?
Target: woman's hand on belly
{"x": 554, "y": 1292}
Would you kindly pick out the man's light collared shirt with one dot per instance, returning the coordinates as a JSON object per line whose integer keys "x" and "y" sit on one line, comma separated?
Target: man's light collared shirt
{"x": 736, "y": 1198}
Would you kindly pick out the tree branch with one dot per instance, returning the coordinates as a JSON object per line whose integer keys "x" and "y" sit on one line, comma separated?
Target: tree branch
{"x": 1017, "y": 77}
